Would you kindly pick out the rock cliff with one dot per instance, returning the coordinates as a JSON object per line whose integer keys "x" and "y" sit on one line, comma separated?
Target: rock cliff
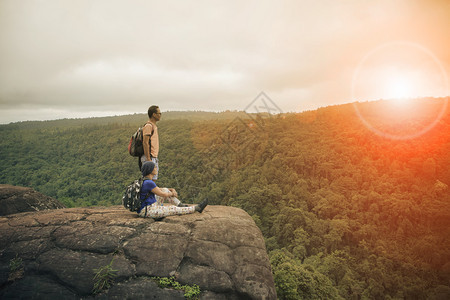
{"x": 52, "y": 254}
{"x": 15, "y": 199}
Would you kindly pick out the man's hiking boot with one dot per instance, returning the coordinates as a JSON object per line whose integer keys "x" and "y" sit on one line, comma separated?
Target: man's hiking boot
{"x": 200, "y": 207}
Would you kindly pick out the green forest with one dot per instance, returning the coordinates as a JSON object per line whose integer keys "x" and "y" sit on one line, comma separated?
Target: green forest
{"x": 353, "y": 200}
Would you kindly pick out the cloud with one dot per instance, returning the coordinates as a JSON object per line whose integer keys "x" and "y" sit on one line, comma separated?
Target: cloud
{"x": 120, "y": 56}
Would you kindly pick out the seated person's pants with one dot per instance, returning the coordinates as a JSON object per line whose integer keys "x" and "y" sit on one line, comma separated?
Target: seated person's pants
{"x": 156, "y": 210}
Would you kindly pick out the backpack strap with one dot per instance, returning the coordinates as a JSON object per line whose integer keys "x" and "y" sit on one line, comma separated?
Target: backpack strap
{"x": 142, "y": 183}
{"x": 153, "y": 129}
{"x": 143, "y": 179}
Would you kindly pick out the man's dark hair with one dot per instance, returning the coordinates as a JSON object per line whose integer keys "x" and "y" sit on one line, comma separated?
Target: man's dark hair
{"x": 152, "y": 110}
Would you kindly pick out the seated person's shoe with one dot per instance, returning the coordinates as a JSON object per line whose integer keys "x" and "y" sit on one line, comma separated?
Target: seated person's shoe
{"x": 182, "y": 205}
{"x": 200, "y": 207}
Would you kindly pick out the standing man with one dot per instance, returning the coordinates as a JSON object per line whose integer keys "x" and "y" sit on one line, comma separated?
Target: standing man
{"x": 150, "y": 142}
{"x": 150, "y": 139}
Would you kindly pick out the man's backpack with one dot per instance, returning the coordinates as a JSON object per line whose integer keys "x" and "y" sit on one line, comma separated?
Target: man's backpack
{"x": 131, "y": 198}
{"x": 135, "y": 146}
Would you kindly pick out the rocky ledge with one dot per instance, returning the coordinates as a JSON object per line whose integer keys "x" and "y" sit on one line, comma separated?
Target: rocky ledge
{"x": 16, "y": 199}
{"x": 52, "y": 254}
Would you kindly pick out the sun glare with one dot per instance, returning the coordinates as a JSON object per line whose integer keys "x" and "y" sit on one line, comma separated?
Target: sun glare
{"x": 399, "y": 89}
{"x": 401, "y": 72}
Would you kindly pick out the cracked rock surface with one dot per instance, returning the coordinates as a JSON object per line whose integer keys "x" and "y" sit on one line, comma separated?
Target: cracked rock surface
{"x": 221, "y": 250}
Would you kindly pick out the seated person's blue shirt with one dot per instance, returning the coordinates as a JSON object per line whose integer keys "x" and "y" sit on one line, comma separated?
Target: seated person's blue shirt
{"x": 147, "y": 187}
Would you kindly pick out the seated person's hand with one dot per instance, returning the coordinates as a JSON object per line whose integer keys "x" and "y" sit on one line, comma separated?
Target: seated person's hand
{"x": 174, "y": 192}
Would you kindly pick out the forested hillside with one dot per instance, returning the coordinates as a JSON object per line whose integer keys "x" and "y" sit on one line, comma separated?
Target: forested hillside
{"x": 351, "y": 206}
{"x": 81, "y": 162}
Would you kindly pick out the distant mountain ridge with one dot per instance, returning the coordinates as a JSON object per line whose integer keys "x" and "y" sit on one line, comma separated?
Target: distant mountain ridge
{"x": 199, "y": 115}
{"x": 131, "y": 119}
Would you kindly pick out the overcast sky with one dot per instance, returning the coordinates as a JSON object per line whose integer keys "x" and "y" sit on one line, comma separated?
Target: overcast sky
{"x": 77, "y": 58}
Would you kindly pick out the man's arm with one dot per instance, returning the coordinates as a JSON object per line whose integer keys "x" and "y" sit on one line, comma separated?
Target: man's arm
{"x": 146, "y": 145}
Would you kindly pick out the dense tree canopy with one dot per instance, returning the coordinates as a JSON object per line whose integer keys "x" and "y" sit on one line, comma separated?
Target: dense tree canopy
{"x": 346, "y": 212}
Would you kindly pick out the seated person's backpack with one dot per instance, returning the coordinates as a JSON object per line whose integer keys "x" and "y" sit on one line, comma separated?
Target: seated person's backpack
{"x": 131, "y": 198}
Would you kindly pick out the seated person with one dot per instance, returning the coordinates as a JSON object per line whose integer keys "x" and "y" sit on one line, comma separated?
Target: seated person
{"x": 151, "y": 207}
